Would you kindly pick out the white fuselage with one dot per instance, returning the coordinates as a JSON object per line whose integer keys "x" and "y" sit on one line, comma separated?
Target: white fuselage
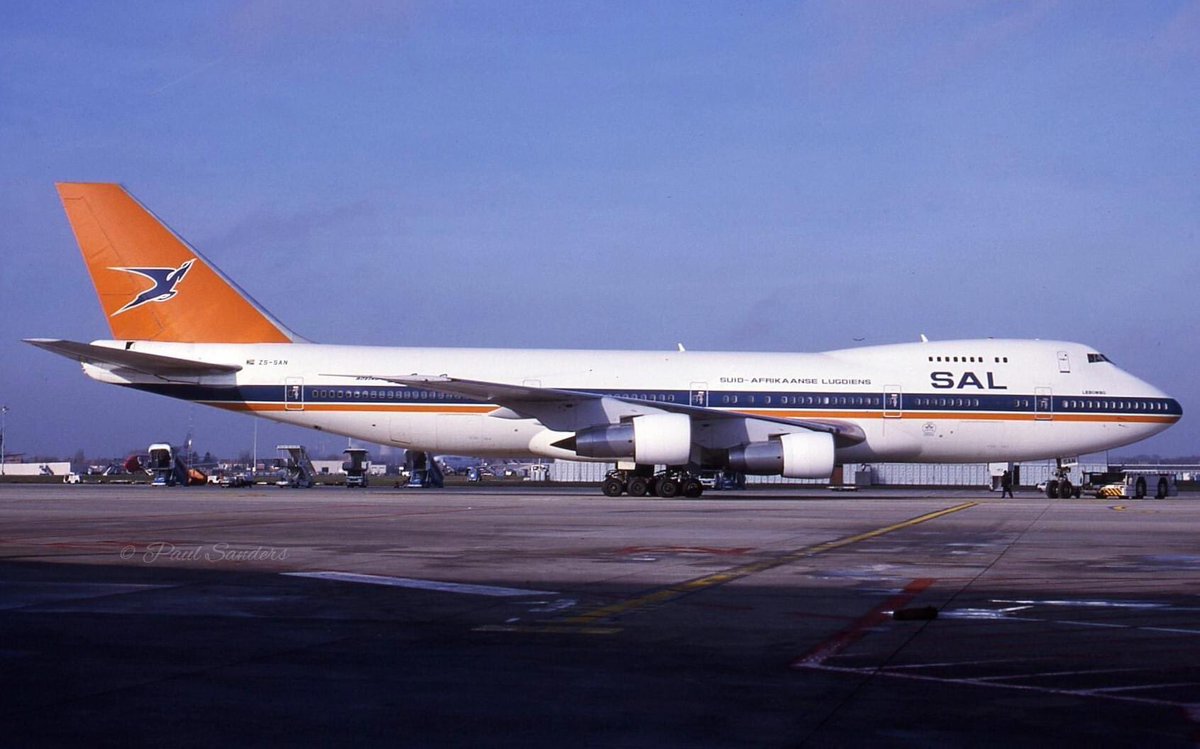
{"x": 951, "y": 401}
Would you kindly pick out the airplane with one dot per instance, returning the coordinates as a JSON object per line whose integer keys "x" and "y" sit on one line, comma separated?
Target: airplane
{"x": 659, "y": 416}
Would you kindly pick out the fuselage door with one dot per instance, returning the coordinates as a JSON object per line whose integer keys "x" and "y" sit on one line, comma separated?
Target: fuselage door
{"x": 293, "y": 394}
{"x": 1064, "y": 362}
{"x": 893, "y": 402}
{"x": 699, "y": 395}
{"x": 1043, "y": 404}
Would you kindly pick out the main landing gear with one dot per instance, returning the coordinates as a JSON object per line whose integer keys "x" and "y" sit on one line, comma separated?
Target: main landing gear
{"x": 673, "y": 482}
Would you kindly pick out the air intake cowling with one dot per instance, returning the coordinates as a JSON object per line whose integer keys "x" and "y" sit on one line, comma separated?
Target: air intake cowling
{"x": 653, "y": 439}
{"x": 801, "y": 455}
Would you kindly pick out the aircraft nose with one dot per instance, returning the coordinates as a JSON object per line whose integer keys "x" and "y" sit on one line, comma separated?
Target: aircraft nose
{"x": 1167, "y": 408}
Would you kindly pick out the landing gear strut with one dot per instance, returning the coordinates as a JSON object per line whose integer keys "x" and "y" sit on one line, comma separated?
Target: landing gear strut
{"x": 1060, "y": 485}
{"x": 672, "y": 482}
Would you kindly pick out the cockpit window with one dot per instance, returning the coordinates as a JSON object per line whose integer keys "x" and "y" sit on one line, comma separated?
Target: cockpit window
{"x": 1093, "y": 358}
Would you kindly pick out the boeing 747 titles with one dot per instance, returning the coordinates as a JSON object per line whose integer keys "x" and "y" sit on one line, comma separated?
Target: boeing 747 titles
{"x": 180, "y": 328}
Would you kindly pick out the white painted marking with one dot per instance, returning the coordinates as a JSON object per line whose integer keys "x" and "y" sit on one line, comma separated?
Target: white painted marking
{"x": 1103, "y": 625}
{"x": 1170, "y": 685}
{"x": 1055, "y": 674}
{"x": 436, "y": 585}
{"x": 874, "y": 672}
{"x": 1004, "y": 614}
{"x": 954, "y": 664}
{"x": 549, "y": 607}
{"x": 1089, "y": 604}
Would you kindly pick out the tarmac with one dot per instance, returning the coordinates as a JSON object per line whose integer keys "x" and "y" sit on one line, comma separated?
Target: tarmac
{"x": 548, "y": 616}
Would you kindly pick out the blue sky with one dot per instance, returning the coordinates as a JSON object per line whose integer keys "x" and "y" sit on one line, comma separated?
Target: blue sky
{"x": 736, "y": 176}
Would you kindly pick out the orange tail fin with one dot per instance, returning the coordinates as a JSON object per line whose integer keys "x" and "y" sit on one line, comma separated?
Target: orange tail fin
{"x": 152, "y": 284}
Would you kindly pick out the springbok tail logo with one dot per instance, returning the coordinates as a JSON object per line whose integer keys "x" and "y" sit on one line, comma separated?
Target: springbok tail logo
{"x": 165, "y": 280}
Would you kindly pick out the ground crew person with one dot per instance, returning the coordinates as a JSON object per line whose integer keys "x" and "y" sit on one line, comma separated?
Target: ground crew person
{"x": 1006, "y": 484}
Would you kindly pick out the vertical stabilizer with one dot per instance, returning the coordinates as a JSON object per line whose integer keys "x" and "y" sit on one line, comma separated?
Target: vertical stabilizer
{"x": 153, "y": 285}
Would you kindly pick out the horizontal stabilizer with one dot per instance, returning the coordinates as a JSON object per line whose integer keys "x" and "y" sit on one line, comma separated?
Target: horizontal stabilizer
{"x": 150, "y": 364}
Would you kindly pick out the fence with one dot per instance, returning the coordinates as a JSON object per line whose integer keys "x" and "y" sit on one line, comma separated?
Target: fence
{"x": 881, "y": 474}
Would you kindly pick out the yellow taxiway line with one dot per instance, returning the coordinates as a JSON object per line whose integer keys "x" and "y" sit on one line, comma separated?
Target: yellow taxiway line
{"x": 592, "y": 622}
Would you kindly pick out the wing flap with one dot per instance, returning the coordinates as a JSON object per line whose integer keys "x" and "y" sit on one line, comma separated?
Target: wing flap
{"x": 560, "y": 410}
{"x": 571, "y": 410}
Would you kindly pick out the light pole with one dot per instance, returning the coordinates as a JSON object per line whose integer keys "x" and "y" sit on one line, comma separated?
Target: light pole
{"x": 3, "y": 411}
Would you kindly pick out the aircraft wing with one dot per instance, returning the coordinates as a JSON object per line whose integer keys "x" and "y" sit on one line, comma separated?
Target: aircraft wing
{"x": 166, "y": 367}
{"x": 571, "y": 410}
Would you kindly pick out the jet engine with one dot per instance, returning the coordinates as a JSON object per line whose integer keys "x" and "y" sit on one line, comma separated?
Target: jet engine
{"x": 801, "y": 455}
{"x": 652, "y": 439}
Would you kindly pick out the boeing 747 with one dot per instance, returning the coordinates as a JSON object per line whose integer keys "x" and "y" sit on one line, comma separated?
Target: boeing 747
{"x": 180, "y": 328}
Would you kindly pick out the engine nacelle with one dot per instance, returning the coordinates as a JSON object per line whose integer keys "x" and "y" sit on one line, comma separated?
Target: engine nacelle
{"x": 802, "y": 455}
{"x": 605, "y": 442}
{"x": 652, "y": 439}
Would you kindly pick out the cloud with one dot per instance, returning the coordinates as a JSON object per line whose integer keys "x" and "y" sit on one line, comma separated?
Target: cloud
{"x": 186, "y": 76}
{"x": 914, "y": 40}
{"x": 264, "y": 230}
{"x": 1179, "y": 39}
{"x": 979, "y": 41}
{"x": 260, "y": 23}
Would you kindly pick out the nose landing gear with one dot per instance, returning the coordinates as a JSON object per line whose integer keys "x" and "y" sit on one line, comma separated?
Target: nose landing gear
{"x": 1060, "y": 486}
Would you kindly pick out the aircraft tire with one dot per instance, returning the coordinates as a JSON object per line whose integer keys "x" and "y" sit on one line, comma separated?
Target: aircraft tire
{"x": 638, "y": 486}
{"x": 1052, "y": 489}
{"x": 692, "y": 488}
{"x": 613, "y": 487}
{"x": 1064, "y": 489}
{"x": 668, "y": 488}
